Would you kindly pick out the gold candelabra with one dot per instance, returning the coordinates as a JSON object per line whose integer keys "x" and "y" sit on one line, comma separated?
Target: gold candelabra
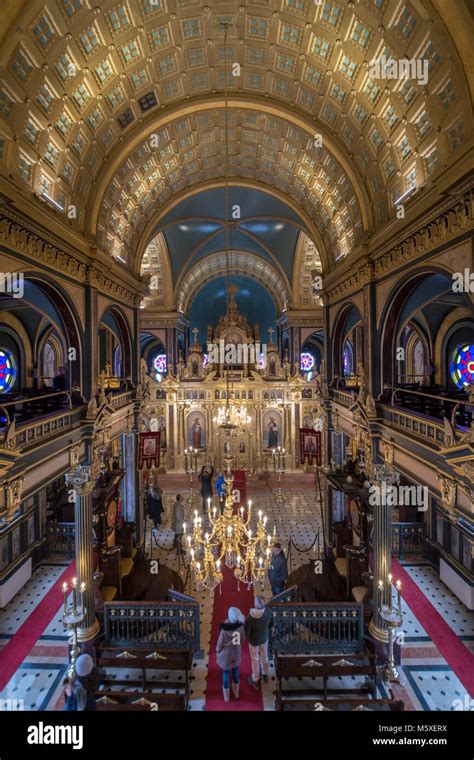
{"x": 73, "y": 616}
{"x": 279, "y": 463}
{"x": 393, "y": 618}
{"x": 191, "y": 467}
{"x": 229, "y": 539}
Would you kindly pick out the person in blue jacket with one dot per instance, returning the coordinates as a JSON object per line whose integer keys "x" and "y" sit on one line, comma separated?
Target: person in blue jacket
{"x": 278, "y": 570}
{"x": 221, "y": 490}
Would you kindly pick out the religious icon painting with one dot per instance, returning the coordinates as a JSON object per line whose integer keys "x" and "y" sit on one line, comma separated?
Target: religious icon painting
{"x": 149, "y": 450}
{"x": 310, "y": 445}
{"x": 196, "y": 430}
{"x": 272, "y": 429}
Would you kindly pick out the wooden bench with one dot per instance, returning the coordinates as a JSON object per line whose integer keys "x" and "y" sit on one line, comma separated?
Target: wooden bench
{"x": 322, "y": 667}
{"x": 343, "y": 704}
{"x": 140, "y": 701}
{"x": 145, "y": 659}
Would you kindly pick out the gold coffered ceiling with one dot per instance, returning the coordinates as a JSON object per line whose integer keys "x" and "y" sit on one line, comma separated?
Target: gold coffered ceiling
{"x": 84, "y": 86}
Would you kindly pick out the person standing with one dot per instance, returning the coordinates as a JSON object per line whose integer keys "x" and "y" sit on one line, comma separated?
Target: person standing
{"x": 257, "y": 631}
{"x": 221, "y": 490}
{"x": 177, "y": 520}
{"x": 278, "y": 570}
{"x": 155, "y": 505}
{"x": 229, "y": 651}
{"x": 205, "y": 477}
{"x": 89, "y": 677}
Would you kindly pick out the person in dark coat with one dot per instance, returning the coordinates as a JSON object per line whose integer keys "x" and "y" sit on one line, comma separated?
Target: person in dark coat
{"x": 59, "y": 380}
{"x": 278, "y": 570}
{"x": 229, "y": 651}
{"x": 257, "y": 630}
{"x": 155, "y": 505}
{"x": 205, "y": 477}
{"x": 89, "y": 677}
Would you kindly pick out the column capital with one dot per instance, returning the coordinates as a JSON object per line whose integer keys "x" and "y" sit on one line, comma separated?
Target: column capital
{"x": 81, "y": 479}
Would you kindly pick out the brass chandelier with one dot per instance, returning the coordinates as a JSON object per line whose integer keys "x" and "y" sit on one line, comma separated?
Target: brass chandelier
{"x": 229, "y": 539}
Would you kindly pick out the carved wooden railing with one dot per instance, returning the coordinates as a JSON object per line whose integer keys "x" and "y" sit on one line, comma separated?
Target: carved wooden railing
{"x": 60, "y": 539}
{"x": 408, "y": 539}
{"x": 164, "y": 625}
{"x": 317, "y": 628}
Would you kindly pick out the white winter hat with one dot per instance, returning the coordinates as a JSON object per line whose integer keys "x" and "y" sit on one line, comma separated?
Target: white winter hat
{"x": 84, "y": 665}
{"x": 234, "y": 615}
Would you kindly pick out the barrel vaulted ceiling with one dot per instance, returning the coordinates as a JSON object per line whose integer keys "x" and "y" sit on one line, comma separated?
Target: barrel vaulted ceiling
{"x": 84, "y": 86}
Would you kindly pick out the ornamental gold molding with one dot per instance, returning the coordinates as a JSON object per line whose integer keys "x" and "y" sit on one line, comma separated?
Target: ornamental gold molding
{"x": 33, "y": 244}
{"x": 13, "y": 494}
{"x": 451, "y": 222}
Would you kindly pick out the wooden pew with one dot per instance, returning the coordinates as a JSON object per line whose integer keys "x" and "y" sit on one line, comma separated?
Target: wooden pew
{"x": 343, "y": 704}
{"x": 139, "y": 701}
{"x": 322, "y": 668}
{"x": 145, "y": 659}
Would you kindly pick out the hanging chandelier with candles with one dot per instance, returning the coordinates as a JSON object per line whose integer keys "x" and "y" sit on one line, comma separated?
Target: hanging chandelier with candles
{"x": 232, "y": 418}
{"x": 230, "y": 540}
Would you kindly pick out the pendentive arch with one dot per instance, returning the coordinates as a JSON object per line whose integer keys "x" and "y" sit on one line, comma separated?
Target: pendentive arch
{"x": 388, "y": 326}
{"x": 154, "y": 222}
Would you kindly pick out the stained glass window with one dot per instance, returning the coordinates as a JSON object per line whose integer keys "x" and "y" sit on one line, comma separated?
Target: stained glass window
{"x": 462, "y": 365}
{"x": 348, "y": 359}
{"x": 306, "y": 361}
{"x": 160, "y": 366}
{"x": 7, "y": 371}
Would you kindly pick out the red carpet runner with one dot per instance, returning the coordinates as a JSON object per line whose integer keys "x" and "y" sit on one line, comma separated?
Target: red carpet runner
{"x": 21, "y": 644}
{"x": 229, "y": 596}
{"x": 458, "y": 657}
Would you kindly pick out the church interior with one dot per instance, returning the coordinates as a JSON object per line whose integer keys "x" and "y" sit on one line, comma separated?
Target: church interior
{"x": 236, "y": 356}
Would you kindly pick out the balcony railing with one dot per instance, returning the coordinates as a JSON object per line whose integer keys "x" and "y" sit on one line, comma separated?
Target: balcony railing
{"x": 121, "y": 399}
{"x": 345, "y": 398}
{"x": 408, "y": 539}
{"x": 418, "y": 426}
{"x": 26, "y": 421}
{"x": 164, "y": 625}
{"x": 317, "y": 628}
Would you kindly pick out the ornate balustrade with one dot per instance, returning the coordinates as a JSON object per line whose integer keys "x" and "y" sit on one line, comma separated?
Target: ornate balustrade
{"x": 345, "y": 398}
{"x": 31, "y": 433}
{"x": 317, "y": 628}
{"x": 164, "y": 625}
{"x": 121, "y": 399}
{"x": 60, "y": 539}
{"x": 408, "y": 539}
{"x": 417, "y": 425}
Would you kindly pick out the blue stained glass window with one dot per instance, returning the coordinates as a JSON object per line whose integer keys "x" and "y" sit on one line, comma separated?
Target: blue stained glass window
{"x": 348, "y": 359}
{"x": 7, "y": 370}
{"x": 462, "y": 365}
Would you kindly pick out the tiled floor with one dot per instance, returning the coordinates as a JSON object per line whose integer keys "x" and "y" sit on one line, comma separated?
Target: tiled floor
{"x": 428, "y": 682}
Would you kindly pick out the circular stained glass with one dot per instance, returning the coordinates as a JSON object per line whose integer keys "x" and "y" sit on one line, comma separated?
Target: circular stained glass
{"x": 7, "y": 371}
{"x": 306, "y": 361}
{"x": 462, "y": 365}
{"x": 159, "y": 363}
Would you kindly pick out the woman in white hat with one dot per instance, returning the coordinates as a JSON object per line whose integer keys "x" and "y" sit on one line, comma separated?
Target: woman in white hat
{"x": 229, "y": 651}
{"x": 89, "y": 676}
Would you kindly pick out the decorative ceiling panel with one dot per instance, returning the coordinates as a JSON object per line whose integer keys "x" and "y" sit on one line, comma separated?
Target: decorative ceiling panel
{"x": 78, "y": 82}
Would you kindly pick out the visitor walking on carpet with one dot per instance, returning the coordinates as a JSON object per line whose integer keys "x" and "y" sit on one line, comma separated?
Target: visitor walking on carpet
{"x": 229, "y": 651}
{"x": 257, "y": 631}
